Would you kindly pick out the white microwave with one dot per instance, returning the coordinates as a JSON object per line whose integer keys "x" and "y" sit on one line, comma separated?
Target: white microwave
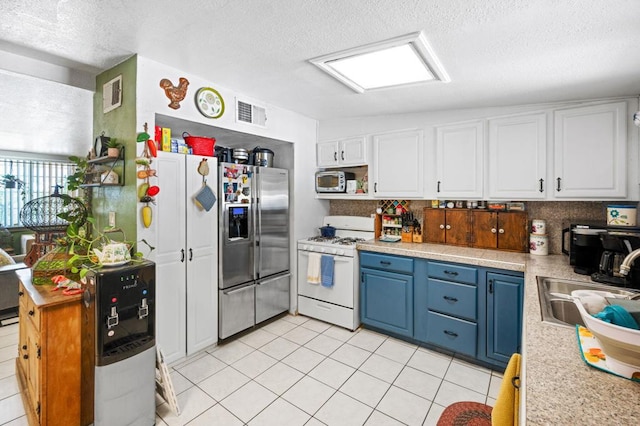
{"x": 331, "y": 181}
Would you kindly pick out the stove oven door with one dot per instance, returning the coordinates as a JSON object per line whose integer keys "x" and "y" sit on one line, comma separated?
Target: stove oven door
{"x": 344, "y": 280}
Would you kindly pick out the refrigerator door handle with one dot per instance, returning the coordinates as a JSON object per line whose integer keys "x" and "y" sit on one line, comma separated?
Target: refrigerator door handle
{"x": 238, "y": 289}
{"x": 272, "y": 279}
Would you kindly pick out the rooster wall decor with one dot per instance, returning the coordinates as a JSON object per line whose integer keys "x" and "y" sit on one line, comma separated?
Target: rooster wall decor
{"x": 175, "y": 94}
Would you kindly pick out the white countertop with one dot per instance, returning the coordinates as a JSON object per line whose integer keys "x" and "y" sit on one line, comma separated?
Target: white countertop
{"x": 558, "y": 387}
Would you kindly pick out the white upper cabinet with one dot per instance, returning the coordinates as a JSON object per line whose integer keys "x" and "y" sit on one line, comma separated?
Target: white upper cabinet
{"x": 346, "y": 152}
{"x": 590, "y": 150}
{"x": 517, "y": 158}
{"x": 460, "y": 157}
{"x": 398, "y": 165}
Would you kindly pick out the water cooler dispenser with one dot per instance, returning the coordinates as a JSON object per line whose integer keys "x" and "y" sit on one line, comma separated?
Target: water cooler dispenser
{"x": 118, "y": 353}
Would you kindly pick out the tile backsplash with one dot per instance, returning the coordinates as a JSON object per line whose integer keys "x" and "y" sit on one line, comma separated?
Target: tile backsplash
{"x": 556, "y": 213}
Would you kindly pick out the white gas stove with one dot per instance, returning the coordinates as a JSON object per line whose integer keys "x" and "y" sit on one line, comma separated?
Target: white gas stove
{"x": 338, "y": 303}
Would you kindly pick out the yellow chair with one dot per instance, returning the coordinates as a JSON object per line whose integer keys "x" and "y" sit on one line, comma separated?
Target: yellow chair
{"x": 505, "y": 412}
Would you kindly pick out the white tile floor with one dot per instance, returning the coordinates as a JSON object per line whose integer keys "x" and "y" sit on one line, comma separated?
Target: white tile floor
{"x": 299, "y": 371}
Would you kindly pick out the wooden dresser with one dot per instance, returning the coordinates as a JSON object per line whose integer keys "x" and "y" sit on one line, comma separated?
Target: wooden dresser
{"x": 48, "y": 363}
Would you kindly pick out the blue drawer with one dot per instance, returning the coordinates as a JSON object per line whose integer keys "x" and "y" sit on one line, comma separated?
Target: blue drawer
{"x": 450, "y": 298}
{"x": 450, "y": 272}
{"x": 386, "y": 262}
{"x": 452, "y": 333}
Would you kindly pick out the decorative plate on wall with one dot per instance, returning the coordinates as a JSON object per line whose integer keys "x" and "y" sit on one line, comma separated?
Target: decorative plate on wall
{"x": 209, "y": 102}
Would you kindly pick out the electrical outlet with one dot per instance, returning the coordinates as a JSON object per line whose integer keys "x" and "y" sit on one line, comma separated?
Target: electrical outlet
{"x": 112, "y": 219}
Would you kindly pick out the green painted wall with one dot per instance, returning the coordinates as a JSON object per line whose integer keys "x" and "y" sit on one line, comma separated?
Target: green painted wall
{"x": 119, "y": 123}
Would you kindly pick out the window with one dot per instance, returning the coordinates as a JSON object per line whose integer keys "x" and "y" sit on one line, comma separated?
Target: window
{"x": 35, "y": 178}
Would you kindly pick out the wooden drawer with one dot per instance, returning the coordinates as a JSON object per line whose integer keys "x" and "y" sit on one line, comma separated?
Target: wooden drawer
{"x": 386, "y": 262}
{"x": 32, "y": 312}
{"x": 452, "y": 333}
{"x": 459, "y": 300}
{"x": 450, "y": 272}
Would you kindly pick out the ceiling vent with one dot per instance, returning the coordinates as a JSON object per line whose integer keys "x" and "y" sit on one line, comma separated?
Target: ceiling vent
{"x": 112, "y": 94}
{"x": 250, "y": 113}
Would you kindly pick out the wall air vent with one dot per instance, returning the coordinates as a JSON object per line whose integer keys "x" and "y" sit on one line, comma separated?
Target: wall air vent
{"x": 112, "y": 94}
{"x": 250, "y": 113}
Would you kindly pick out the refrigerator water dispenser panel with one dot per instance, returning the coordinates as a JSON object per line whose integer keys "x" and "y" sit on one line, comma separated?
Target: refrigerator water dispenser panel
{"x": 238, "y": 222}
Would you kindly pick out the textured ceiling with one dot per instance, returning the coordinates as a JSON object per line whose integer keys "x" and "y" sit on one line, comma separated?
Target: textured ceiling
{"x": 497, "y": 52}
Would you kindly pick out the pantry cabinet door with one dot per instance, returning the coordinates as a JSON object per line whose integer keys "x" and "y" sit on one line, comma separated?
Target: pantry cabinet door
{"x": 590, "y": 151}
{"x": 353, "y": 152}
{"x": 460, "y": 158}
{"x": 517, "y": 157}
{"x": 398, "y": 165}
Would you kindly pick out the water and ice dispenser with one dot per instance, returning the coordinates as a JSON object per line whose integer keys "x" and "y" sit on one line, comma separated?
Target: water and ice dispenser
{"x": 119, "y": 344}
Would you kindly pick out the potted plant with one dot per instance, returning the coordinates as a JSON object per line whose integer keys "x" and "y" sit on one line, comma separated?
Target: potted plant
{"x": 9, "y": 181}
{"x": 113, "y": 148}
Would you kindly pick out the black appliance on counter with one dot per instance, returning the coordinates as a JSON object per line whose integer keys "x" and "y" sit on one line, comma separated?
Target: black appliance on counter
{"x": 617, "y": 244}
{"x": 585, "y": 247}
{"x": 118, "y": 345}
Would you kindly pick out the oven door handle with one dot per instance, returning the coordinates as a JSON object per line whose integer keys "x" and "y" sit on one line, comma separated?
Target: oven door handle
{"x": 336, "y": 257}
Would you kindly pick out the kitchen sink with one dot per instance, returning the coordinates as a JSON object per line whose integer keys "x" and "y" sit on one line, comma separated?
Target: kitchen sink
{"x": 558, "y": 310}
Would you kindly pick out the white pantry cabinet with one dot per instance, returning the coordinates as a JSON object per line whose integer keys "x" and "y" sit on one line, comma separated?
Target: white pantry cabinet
{"x": 459, "y": 160}
{"x": 590, "y": 151}
{"x": 517, "y": 163}
{"x": 398, "y": 162}
{"x": 186, "y": 257}
{"x": 346, "y": 152}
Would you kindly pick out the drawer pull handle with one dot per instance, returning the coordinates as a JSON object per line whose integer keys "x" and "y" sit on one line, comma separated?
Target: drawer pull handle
{"x": 452, "y": 273}
{"x": 32, "y": 312}
{"x": 450, "y": 333}
{"x": 450, "y": 299}
{"x": 384, "y": 262}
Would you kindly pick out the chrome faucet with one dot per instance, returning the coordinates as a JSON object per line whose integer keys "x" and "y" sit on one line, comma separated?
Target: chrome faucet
{"x": 625, "y": 266}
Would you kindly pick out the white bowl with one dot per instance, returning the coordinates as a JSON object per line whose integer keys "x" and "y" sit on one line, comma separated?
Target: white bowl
{"x": 620, "y": 344}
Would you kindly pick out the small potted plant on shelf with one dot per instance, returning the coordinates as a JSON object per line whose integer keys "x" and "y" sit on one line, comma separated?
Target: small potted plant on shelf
{"x": 113, "y": 148}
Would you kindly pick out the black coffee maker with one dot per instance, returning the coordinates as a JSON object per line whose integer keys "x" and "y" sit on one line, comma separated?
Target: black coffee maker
{"x": 617, "y": 244}
{"x": 585, "y": 248}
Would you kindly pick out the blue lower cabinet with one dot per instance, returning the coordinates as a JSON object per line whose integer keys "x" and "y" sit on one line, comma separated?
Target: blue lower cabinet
{"x": 452, "y": 333}
{"x": 504, "y": 315}
{"x": 386, "y": 301}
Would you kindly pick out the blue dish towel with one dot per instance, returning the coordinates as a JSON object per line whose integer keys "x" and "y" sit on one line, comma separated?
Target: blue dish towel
{"x": 326, "y": 271}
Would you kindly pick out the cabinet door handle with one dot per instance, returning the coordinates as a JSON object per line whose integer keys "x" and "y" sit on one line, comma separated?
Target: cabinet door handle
{"x": 24, "y": 347}
{"x": 541, "y": 182}
{"x": 450, "y": 333}
{"x": 490, "y": 286}
{"x": 181, "y": 255}
{"x": 342, "y": 155}
{"x": 375, "y": 187}
{"x": 450, "y": 299}
{"x": 441, "y": 226}
{"x": 452, "y": 273}
{"x": 21, "y": 293}
{"x": 493, "y": 230}
{"x": 501, "y": 231}
{"x": 448, "y": 226}
{"x": 438, "y": 189}
{"x": 558, "y": 187}
{"x": 190, "y": 255}
{"x": 32, "y": 312}
{"x": 335, "y": 156}
{"x": 25, "y": 356}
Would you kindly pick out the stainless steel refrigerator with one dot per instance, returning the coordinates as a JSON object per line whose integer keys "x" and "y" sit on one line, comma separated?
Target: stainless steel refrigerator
{"x": 254, "y": 275}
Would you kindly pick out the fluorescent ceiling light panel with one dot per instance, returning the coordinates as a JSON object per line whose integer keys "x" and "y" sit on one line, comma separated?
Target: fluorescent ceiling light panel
{"x": 401, "y": 61}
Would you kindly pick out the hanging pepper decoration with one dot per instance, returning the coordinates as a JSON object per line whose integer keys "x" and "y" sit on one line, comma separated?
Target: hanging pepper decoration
{"x": 146, "y": 191}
